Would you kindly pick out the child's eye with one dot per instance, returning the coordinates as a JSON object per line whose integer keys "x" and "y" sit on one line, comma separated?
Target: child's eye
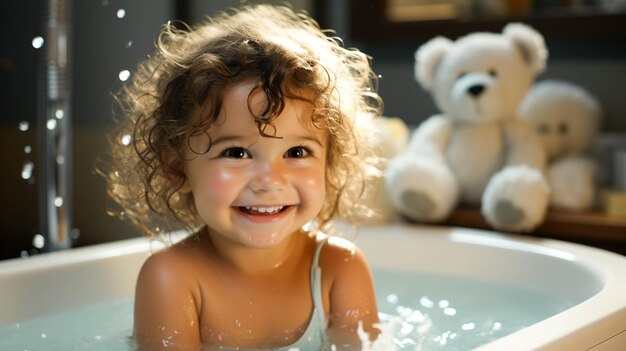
{"x": 235, "y": 152}
{"x": 297, "y": 152}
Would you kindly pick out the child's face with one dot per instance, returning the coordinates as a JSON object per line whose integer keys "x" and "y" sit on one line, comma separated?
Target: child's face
{"x": 257, "y": 190}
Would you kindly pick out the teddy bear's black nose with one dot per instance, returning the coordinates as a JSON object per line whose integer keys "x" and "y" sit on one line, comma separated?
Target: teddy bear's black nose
{"x": 476, "y": 90}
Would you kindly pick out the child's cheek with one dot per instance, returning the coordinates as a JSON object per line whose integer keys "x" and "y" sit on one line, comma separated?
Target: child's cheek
{"x": 222, "y": 184}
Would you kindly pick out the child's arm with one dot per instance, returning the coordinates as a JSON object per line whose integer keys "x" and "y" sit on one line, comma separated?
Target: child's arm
{"x": 352, "y": 296}
{"x": 166, "y": 311}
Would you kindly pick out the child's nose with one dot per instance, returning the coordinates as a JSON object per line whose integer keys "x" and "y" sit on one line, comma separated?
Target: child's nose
{"x": 270, "y": 176}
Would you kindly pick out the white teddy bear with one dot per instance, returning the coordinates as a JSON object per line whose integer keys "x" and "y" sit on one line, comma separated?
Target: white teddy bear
{"x": 567, "y": 119}
{"x": 477, "y": 150}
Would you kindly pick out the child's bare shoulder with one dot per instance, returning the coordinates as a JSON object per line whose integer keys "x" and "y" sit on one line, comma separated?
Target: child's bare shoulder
{"x": 340, "y": 254}
{"x": 173, "y": 265}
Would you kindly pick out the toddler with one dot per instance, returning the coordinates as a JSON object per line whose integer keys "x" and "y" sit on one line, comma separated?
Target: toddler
{"x": 248, "y": 131}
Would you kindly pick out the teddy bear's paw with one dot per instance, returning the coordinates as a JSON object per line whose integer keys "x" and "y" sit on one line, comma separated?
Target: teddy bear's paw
{"x": 516, "y": 199}
{"x": 507, "y": 214}
{"x": 420, "y": 204}
{"x": 421, "y": 189}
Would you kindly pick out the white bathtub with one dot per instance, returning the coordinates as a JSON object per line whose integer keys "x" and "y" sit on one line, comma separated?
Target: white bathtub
{"x": 48, "y": 283}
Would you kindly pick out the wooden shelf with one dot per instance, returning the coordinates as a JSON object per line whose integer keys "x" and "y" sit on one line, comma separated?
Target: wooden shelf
{"x": 369, "y": 24}
{"x": 589, "y": 228}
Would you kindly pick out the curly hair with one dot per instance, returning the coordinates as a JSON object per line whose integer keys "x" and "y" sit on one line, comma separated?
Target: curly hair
{"x": 287, "y": 53}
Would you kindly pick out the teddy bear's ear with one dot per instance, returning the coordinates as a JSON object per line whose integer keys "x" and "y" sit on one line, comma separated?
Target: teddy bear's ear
{"x": 530, "y": 44}
{"x": 427, "y": 59}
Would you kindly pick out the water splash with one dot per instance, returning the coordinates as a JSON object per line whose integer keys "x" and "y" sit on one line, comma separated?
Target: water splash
{"x": 24, "y": 126}
{"x": 124, "y": 75}
{"x": 126, "y": 139}
{"x": 39, "y": 241}
{"x": 37, "y": 42}
{"x": 51, "y": 124}
{"x": 27, "y": 170}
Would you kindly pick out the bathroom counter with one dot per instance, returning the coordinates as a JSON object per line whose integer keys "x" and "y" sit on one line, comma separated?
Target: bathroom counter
{"x": 589, "y": 228}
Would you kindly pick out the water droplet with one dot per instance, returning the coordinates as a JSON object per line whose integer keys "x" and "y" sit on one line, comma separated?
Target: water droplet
{"x": 121, "y": 13}
{"x": 39, "y": 241}
{"x": 426, "y": 302}
{"x": 59, "y": 113}
{"x": 129, "y": 44}
{"x": 124, "y": 75}
{"x": 37, "y": 42}
{"x": 468, "y": 326}
{"x": 28, "y": 149}
{"x": 24, "y": 126}
{"x": 392, "y": 298}
{"x": 27, "y": 170}
{"x": 237, "y": 323}
{"x": 444, "y": 303}
{"x": 126, "y": 139}
{"x": 449, "y": 311}
{"x": 58, "y": 201}
{"x": 497, "y": 326}
{"x": 380, "y": 76}
{"x": 43, "y": 335}
{"x": 51, "y": 124}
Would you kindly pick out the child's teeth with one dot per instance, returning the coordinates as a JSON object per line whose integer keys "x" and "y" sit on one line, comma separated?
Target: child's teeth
{"x": 264, "y": 209}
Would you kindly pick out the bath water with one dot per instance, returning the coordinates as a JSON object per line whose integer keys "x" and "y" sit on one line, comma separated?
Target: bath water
{"x": 417, "y": 311}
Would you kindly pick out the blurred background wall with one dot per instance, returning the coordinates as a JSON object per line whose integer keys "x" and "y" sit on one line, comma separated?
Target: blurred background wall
{"x": 107, "y": 41}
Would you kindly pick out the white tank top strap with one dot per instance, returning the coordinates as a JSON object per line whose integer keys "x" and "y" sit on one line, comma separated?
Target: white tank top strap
{"x": 316, "y": 281}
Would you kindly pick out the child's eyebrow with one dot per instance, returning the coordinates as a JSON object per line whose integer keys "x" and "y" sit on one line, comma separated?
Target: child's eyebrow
{"x": 310, "y": 138}
{"x": 226, "y": 139}
{"x": 231, "y": 138}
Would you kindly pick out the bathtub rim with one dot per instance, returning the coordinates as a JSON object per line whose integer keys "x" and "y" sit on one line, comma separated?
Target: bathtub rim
{"x": 585, "y": 324}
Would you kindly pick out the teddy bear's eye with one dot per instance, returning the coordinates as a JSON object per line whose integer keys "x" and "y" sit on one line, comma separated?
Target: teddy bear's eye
{"x": 493, "y": 73}
{"x": 563, "y": 128}
{"x": 461, "y": 75}
{"x": 543, "y": 128}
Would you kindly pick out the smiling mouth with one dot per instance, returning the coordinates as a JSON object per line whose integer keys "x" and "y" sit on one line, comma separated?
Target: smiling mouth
{"x": 262, "y": 210}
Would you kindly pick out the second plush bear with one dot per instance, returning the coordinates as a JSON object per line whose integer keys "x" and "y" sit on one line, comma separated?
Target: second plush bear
{"x": 477, "y": 151}
{"x": 567, "y": 118}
